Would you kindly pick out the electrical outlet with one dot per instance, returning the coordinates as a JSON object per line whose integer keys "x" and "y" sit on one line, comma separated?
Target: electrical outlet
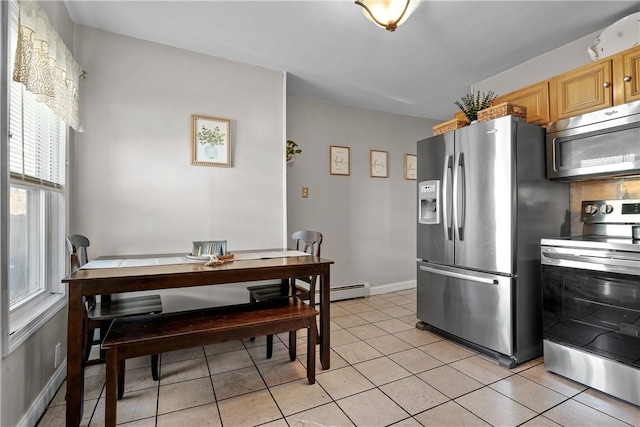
{"x": 305, "y": 192}
{"x": 56, "y": 358}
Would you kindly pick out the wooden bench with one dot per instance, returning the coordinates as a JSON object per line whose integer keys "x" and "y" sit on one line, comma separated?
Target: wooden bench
{"x": 154, "y": 334}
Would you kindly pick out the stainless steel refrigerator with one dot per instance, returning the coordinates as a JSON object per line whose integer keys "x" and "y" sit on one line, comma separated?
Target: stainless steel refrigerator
{"x": 483, "y": 206}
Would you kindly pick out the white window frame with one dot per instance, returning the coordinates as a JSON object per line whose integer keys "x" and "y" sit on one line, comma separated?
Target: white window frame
{"x": 19, "y": 322}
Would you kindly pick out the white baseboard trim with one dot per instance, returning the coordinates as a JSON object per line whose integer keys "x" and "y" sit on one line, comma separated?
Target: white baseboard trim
{"x": 39, "y": 406}
{"x": 392, "y": 287}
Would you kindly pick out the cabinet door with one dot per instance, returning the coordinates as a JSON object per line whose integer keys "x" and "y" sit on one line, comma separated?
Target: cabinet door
{"x": 582, "y": 90}
{"x": 628, "y": 77}
{"x": 535, "y": 98}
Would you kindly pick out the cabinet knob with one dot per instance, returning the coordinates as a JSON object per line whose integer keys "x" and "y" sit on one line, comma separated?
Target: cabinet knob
{"x": 606, "y": 84}
{"x": 626, "y": 79}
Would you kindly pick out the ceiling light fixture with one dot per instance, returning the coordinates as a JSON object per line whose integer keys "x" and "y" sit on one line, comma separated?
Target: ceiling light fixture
{"x": 388, "y": 14}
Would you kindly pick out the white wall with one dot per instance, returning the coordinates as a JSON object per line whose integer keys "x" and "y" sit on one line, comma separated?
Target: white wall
{"x": 29, "y": 379}
{"x": 565, "y": 58}
{"x": 368, "y": 224}
{"x": 135, "y": 189}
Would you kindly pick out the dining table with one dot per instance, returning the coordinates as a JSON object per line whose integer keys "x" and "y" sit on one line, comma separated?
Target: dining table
{"x": 120, "y": 274}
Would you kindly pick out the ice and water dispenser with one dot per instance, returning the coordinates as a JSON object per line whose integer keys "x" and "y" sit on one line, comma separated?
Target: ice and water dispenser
{"x": 429, "y": 202}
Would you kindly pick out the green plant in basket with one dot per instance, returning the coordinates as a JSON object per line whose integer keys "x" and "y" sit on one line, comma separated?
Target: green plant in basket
{"x": 470, "y": 104}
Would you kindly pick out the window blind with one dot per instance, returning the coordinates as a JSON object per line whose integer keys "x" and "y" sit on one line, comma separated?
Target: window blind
{"x": 37, "y": 135}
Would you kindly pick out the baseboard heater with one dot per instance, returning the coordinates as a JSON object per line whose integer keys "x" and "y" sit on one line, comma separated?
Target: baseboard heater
{"x": 342, "y": 292}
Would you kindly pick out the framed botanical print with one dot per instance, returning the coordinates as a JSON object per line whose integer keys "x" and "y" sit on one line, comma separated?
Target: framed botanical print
{"x": 410, "y": 166}
{"x": 339, "y": 160}
{"x": 210, "y": 141}
{"x": 379, "y": 163}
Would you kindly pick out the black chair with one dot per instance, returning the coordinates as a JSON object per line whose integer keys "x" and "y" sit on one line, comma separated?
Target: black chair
{"x": 99, "y": 315}
{"x": 306, "y": 241}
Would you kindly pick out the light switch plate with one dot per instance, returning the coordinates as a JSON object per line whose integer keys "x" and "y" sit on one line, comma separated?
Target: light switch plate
{"x": 305, "y": 192}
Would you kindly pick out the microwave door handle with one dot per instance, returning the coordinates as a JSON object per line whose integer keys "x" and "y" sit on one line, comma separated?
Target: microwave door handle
{"x": 445, "y": 181}
{"x": 553, "y": 155}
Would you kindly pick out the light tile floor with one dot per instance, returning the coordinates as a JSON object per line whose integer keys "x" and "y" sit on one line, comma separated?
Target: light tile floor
{"x": 383, "y": 372}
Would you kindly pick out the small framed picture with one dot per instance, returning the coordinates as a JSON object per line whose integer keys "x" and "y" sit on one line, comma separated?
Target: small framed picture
{"x": 410, "y": 166}
{"x": 339, "y": 160}
{"x": 210, "y": 141}
{"x": 379, "y": 163}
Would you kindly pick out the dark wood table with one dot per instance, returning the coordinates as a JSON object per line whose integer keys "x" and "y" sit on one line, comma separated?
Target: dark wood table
{"x": 130, "y": 279}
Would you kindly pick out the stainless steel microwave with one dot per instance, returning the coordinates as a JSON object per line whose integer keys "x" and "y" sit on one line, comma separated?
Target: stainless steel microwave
{"x": 598, "y": 144}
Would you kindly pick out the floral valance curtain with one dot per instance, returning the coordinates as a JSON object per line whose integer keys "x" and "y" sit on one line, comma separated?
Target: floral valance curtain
{"x": 44, "y": 64}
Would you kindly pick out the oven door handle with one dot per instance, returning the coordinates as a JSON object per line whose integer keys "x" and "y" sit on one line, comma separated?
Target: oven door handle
{"x": 590, "y": 259}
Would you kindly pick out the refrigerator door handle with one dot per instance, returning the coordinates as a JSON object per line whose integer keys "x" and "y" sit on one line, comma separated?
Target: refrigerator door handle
{"x": 462, "y": 276}
{"x": 445, "y": 182}
{"x": 463, "y": 208}
{"x": 458, "y": 166}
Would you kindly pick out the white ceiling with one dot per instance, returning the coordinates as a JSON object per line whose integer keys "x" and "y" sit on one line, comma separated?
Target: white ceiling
{"x": 331, "y": 51}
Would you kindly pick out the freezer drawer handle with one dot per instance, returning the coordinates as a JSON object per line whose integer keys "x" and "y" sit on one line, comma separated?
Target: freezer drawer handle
{"x": 459, "y": 275}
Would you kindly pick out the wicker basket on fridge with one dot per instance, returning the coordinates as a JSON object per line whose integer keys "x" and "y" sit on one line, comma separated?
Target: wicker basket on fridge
{"x": 449, "y": 126}
{"x": 501, "y": 110}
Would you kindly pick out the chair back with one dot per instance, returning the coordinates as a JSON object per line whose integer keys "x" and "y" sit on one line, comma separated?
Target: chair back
{"x": 77, "y": 245}
{"x": 308, "y": 241}
{"x": 75, "y": 266}
{"x": 74, "y": 262}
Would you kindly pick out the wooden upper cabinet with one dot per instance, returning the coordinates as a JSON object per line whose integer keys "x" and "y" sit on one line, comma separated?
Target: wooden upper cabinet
{"x": 582, "y": 90}
{"x": 626, "y": 76}
{"x": 610, "y": 81}
{"x": 535, "y": 98}
{"x": 605, "y": 83}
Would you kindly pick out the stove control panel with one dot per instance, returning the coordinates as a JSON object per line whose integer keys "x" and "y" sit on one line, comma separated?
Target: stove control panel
{"x": 622, "y": 211}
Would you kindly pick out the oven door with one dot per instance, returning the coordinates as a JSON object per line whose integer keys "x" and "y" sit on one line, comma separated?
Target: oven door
{"x": 592, "y": 305}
